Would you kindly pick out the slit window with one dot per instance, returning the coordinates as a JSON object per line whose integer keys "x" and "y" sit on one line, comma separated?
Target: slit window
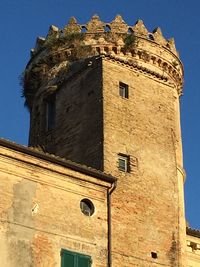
{"x": 50, "y": 113}
{"x": 123, "y": 162}
{"x": 123, "y": 90}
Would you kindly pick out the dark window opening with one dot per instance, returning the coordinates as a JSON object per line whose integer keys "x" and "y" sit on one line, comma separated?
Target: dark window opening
{"x": 50, "y": 113}
{"x": 106, "y": 49}
{"x": 83, "y": 29}
{"x": 151, "y": 37}
{"x": 98, "y": 50}
{"x": 154, "y": 255}
{"x": 87, "y": 207}
{"x": 114, "y": 49}
{"x": 123, "y": 90}
{"x": 130, "y": 30}
{"x": 107, "y": 28}
{"x": 123, "y": 162}
{"x": 73, "y": 259}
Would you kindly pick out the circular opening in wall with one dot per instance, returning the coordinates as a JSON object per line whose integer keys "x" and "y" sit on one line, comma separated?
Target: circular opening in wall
{"x": 87, "y": 207}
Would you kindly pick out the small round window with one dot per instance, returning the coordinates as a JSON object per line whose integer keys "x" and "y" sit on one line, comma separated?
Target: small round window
{"x": 87, "y": 207}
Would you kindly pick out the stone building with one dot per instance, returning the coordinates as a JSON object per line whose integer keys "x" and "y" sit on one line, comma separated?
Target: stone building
{"x": 106, "y": 96}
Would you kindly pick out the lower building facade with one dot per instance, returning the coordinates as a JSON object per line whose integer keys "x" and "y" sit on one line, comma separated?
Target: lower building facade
{"x": 53, "y": 213}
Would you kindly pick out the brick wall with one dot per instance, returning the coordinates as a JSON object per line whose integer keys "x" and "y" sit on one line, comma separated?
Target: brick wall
{"x": 146, "y": 204}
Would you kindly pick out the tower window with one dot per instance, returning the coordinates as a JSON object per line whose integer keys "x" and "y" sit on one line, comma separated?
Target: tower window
{"x": 154, "y": 255}
{"x": 123, "y": 90}
{"x": 50, "y": 113}
{"x": 124, "y": 162}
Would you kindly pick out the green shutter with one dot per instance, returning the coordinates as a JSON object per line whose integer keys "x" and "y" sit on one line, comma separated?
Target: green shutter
{"x": 72, "y": 259}
{"x": 68, "y": 259}
{"x": 83, "y": 261}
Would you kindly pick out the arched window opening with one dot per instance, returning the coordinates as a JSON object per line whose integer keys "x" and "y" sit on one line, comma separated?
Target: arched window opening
{"x": 151, "y": 37}
{"x": 83, "y": 29}
{"x": 130, "y": 30}
{"x": 107, "y": 28}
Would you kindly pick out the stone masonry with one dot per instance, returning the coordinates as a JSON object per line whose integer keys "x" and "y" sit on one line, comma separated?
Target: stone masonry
{"x": 81, "y": 68}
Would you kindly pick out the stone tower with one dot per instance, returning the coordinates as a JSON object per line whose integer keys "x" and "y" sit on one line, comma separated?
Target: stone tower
{"x": 107, "y": 95}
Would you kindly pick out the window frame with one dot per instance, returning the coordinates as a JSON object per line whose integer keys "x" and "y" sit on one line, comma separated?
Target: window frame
{"x": 126, "y": 159}
{"x": 123, "y": 90}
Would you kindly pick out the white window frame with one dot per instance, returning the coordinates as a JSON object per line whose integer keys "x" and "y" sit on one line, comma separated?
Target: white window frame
{"x": 125, "y": 159}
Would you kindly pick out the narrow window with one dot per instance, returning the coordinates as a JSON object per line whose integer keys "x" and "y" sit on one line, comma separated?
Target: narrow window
{"x": 123, "y": 90}
{"x": 50, "y": 113}
{"x": 73, "y": 259}
{"x": 124, "y": 162}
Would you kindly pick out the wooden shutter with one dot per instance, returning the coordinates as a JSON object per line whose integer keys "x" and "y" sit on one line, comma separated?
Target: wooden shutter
{"x": 83, "y": 261}
{"x": 68, "y": 259}
{"x": 73, "y": 259}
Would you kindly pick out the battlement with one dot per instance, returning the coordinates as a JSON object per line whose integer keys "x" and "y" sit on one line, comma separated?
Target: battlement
{"x": 134, "y": 46}
{"x": 117, "y": 26}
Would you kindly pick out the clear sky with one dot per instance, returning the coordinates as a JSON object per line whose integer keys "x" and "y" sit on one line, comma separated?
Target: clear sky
{"x": 21, "y": 21}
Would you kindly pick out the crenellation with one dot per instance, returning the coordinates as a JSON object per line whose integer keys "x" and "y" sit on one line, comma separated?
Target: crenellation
{"x": 140, "y": 29}
{"x": 53, "y": 30}
{"x": 39, "y": 42}
{"x": 70, "y": 45}
{"x": 158, "y": 36}
{"x": 95, "y": 25}
{"x": 118, "y": 25}
{"x": 72, "y": 26}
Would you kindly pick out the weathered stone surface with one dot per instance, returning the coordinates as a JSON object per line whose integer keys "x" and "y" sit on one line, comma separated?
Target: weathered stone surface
{"x": 140, "y": 28}
{"x": 95, "y": 25}
{"x": 72, "y": 26}
{"x": 35, "y": 238}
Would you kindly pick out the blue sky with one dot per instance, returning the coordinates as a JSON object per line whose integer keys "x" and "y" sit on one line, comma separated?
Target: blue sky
{"x": 22, "y": 21}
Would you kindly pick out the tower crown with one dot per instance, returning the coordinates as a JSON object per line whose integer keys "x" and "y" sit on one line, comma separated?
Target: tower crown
{"x": 135, "y": 46}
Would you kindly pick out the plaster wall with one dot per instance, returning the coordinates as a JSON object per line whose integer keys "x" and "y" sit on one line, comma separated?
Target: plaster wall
{"x": 40, "y": 212}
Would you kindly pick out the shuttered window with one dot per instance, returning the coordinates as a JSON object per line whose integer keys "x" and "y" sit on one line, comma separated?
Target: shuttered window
{"x": 72, "y": 259}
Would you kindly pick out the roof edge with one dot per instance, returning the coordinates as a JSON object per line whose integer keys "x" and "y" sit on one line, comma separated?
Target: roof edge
{"x": 193, "y": 232}
{"x": 60, "y": 161}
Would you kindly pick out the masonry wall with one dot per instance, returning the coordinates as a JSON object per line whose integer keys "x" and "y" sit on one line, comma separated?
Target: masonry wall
{"x": 78, "y": 133}
{"x": 34, "y": 235}
{"x": 146, "y": 204}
